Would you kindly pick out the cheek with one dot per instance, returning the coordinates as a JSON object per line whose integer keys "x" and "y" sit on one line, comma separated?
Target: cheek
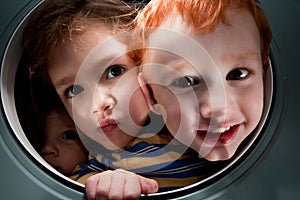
{"x": 73, "y": 158}
{"x": 252, "y": 104}
{"x": 83, "y": 118}
{"x": 80, "y": 107}
{"x": 180, "y": 111}
{"x": 168, "y": 107}
{"x": 173, "y": 117}
{"x": 79, "y": 116}
{"x": 255, "y": 112}
{"x": 138, "y": 108}
{"x": 81, "y": 154}
{"x": 182, "y": 116}
{"x": 68, "y": 104}
{"x": 69, "y": 110}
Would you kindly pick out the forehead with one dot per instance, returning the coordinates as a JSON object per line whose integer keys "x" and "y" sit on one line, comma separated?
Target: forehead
{"x": 57, "y": 114}
{"x": 58, "y": 119}
{"x": 184, "y": 22}
{"x": 78, "y": 45}
{"x": 239, "y": 33}
{"x": 96, "y": 47}
{"x": 86, "y": 39}
{"x": 237, "y": 21}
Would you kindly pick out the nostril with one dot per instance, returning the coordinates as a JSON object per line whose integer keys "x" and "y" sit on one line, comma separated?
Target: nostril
{"x": 107, "y": 107}
{"x": 46, "y": 154}
{"x": 49, "y": 150}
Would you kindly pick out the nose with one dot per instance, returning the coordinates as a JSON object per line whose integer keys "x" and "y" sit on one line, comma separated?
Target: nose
{"x": 49, "y": 150}
{"x": 104, "y": 102}
{"x": 212, "y": 110}
{"x": 216, "y": 105}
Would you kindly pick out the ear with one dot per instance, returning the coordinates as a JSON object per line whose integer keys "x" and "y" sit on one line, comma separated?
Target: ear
{"x": 157, "y": 109}
{"x": 145, "y": 89}
{"x": 148, "y": 95}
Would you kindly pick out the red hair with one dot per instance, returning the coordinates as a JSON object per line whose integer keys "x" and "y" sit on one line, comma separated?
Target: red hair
{"x": 204, "y": 15}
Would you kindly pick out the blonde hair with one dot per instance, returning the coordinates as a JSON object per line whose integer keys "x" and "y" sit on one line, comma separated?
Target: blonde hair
{"x": 58, "y": 21}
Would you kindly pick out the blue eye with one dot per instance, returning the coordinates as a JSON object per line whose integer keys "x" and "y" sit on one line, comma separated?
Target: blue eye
{"x": 186, "y": 81}
{"x": 70, "y": 135}
{"x": 73, "y": 91}
{"x": 114, "y": 71}
{"x": 237, "y": 74}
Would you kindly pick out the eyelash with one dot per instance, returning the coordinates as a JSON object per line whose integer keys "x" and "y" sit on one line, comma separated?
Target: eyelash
{"x": 186, "y": 81}
{"x": 241, "y": 72}
{"x": 70, "y": 94}
{"x": 109, "y": 70}
{"x": 74, "y": 92}
{"x": 73, "y": 133}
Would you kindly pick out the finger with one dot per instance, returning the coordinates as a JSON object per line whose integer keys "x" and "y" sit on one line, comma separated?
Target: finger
{"x": 117, "y": 186}
{"x": 132, "y": 188}
{"x": 148, "y": 186}
{"x": 91, "y": 186}
{"x": 104, "y": 184}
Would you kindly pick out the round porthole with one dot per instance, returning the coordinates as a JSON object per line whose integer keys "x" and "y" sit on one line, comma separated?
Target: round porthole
{"x": 17, "y": 137}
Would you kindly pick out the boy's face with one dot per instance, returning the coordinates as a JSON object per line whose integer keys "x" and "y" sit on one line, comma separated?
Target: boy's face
{"x": 63, "y": 148}
{"x": 210, "y": 85}
{"x": 99, "y": 88}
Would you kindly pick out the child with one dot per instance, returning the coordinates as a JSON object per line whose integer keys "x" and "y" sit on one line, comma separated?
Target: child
{"x": 205, "y": 66}
{"x": 98, "y": 86}
{"x": 62, "y": 146}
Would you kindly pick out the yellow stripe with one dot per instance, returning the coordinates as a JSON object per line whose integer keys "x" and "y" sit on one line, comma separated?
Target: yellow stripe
{"x": 137, "y": 162}
{"x": 178, "y": 182}
{"x": 83, "y": 178}
{"x": 151, "y": 139}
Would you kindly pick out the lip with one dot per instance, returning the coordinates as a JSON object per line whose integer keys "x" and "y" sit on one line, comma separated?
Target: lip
{"x": 108, "y": 125}
{"x": 219, "y": 138}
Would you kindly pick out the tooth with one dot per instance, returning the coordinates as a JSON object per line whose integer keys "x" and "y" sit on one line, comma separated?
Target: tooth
{"x": 220, "y": 130}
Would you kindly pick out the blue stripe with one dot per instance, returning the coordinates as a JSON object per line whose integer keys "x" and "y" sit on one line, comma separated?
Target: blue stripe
{"x": 177, "y": 169}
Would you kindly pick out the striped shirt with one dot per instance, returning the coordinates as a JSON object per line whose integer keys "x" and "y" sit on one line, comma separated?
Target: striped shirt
{"x": 155, "y": 156}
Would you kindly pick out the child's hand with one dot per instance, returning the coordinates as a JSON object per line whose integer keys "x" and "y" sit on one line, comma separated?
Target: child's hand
{"x": 118, "y": 184}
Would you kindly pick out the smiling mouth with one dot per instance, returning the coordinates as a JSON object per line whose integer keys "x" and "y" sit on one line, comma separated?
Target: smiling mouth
{"x": 220, "y": 135}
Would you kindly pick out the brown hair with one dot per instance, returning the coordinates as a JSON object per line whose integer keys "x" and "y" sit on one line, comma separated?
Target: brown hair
{"x": 58, "y": 21}
{"x": 204, "y": 15}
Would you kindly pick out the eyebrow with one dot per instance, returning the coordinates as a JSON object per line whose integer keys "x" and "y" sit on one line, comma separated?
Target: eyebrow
{"x": 176, "y": 67}
{"x": 241, "y": 56}
{"x": 70, "y": 78}
{"x": 62, "y": 82}
{"x": 180, "y": 65}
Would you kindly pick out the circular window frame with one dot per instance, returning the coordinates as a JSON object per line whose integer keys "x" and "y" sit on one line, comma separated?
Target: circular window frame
{"x": 212, "y": 186}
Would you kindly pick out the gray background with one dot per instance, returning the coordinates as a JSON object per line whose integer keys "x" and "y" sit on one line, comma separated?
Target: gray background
{"x": 276, "y": 177}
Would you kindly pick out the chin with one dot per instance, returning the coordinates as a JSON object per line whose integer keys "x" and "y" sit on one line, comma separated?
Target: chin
{"x": 219, "y": 156}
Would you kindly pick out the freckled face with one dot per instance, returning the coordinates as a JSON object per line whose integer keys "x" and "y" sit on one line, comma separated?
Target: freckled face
{"x": 211, "y": 85}
{"x": 97, "y": 84}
